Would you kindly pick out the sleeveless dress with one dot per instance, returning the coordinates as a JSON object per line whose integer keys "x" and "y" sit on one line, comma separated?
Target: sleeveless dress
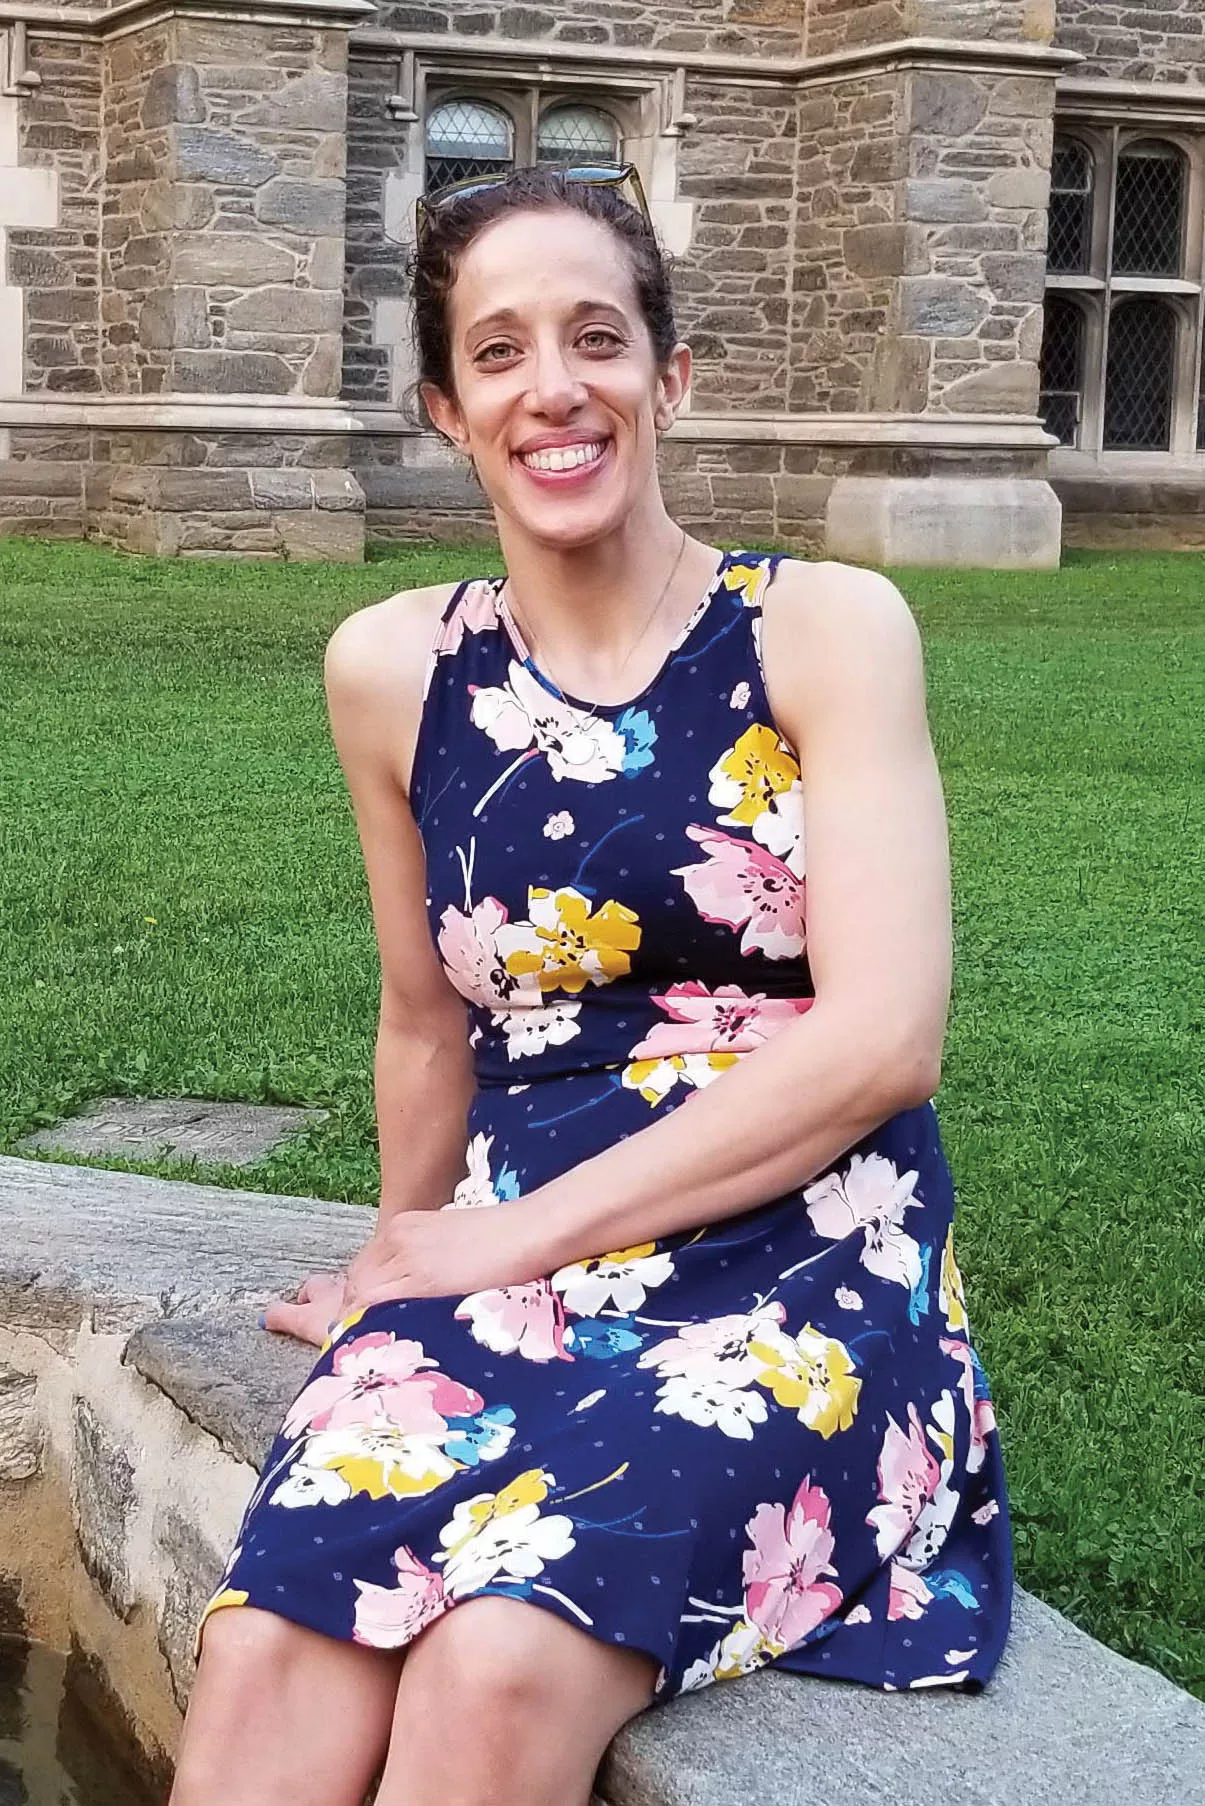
{"x": 766, "y": 1441}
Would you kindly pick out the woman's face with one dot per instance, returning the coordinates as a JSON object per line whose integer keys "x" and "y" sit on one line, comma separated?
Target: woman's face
{"x": 559, "y": 399}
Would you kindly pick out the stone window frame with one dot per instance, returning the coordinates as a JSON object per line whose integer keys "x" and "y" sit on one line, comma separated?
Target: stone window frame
{"x": 525, "y": 102}
{"x": 1096, "y": 290}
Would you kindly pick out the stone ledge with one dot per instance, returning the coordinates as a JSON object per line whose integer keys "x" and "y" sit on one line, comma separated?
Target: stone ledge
{"x": 1066, "y": 1722}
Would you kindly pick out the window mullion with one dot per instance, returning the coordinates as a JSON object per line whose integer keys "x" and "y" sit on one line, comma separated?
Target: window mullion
{"x": 1110, "y": 188}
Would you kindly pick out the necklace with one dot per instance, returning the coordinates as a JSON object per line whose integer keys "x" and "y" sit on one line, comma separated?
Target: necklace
{"x": 528, "y": 641}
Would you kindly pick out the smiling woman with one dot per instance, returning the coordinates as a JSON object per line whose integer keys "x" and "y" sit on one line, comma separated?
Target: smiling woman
{"x": 648, "y": 1106}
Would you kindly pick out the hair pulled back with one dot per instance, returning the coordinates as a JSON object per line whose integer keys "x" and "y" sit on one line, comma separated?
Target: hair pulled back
{"x": 450, "y": 229}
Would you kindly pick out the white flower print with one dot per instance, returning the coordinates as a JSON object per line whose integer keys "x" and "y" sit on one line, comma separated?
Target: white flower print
{"x": 986, "y": 1513}
{"x": 871, "y": 1196}
{"x": 859, "y": 1615}
{"x": 847, "y": 1299}
{"x": 311, "y": 1486}
{"x": 740, "y": 697}
{"x": 559, "y": 826}
{"x": 779, "y": 828}
{"x": 711, "y": 1404}
{"x": 619, "y": 1279}
{"x": 532, "y": 1030}
{"x": 502, "y": 1535}
{"x": 716, "y": 1352}
{"x": 476, "y": 1190}
{"x": 522, "y": 713}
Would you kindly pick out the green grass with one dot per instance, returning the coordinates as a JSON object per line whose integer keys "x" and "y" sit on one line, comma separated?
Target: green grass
{"x": 165, "y": 754}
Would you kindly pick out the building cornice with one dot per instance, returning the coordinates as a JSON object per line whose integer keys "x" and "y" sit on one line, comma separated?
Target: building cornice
{"x": 196, "y": 413}
{"x": 453, "y": 51}
{"x": 453, "y": 48}
{"x": 1144, "y": 103}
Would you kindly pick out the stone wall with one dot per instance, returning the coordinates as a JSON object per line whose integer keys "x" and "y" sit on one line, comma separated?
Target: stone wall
{"x": 138, "y": 305}
{"x": 834, "y": 25}
{"x": 733, "y": 284}
{"x": 374, "y": 263}
{"x": 1124, "y": 40}
{"x": 59, "y": 269}
{"x": 766, "y": 27}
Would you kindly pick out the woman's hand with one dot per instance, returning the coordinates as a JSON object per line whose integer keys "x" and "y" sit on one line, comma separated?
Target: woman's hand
{"x": 446, "y": 1254}
{"x": 319, "y": 1303}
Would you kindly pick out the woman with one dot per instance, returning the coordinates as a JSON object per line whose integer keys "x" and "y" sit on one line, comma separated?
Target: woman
{"x": 698, "y": 1384}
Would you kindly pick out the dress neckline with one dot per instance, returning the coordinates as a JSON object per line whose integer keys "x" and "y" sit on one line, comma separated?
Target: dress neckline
{"x": 511, "y": 628}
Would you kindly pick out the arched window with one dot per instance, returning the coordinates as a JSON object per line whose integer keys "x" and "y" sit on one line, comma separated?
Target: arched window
{"x": 1148, "y": 214}
{"x": 1061, "y": 404}
{"x": 1071, "y": 173}
{"x": 1138, "y": 380}
{"x": 467, "y": 138}
{"x": 576, "y": 134}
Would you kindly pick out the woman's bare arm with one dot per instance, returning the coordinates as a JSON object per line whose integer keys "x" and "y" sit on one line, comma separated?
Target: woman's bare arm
{"x": 374, "y": 666}
{"x": 846, "y": 677}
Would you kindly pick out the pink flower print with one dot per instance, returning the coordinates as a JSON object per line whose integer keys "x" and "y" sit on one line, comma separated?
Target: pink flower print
{"x": 726, "y": 1021}
{"x": 474, "y": 613}
{"x": 871, "y": 1196}
{"x": 744, "y": 886}
{"x": 389, "y": 1617}
{"x": 469, "y": 949}
{"x": 528, "y": 1320}
{"x": 716, "y": 1352}
{"x": 908, "y": 1595}
{"x": 908, "y": 1478}
{"x": 982, "y": 1412}
{"x": 379, "y": 1378}
{"x": 785, "y": 1596}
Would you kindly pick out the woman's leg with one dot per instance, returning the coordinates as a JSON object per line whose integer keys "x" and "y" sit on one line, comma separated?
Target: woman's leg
{"x": 503, "y": 1704}
{"x": 281, "y": 1716}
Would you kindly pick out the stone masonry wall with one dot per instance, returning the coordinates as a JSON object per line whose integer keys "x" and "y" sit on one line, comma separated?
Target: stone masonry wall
{"x": 834, "y": 25}
{"x": 763, "y": 27}
{"x": 1127, "y": 40}
{"x": 134, "y": 260}
{"x": 849, "y": 245}
{"x": 733, "y": 284}
{"x": 374, "y": 264}
{"x": 223, "y": 237}
{"x": 59, "y": 269}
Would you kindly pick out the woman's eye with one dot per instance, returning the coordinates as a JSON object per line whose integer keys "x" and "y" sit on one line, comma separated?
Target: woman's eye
{"x": 599, "y": 339}
{"x": 494, "y": 354}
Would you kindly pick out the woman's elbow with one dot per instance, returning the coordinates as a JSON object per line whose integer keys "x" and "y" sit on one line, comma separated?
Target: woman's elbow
{"x": 910, "y": 1069}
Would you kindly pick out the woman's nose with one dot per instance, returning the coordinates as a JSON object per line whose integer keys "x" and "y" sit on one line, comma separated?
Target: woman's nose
{"x": 555, "y": 388}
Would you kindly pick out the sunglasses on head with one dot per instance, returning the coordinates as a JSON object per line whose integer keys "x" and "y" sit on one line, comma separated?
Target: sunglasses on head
{"x": 599, "y": 175}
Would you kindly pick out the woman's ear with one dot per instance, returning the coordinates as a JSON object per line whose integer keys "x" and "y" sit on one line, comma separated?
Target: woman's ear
{"x": 444, "y": 415}
{"x": 672, "y": 386}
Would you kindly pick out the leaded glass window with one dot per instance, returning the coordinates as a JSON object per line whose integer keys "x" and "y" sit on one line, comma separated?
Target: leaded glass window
{"x": 467, "y": 138}
{"x": 1062, "y": 369}
{"x": 576, "y": 134}
{"x": 1138, "y": 381}
{"x": 1148, "y": 214}
{"x": 1070, "y": 244}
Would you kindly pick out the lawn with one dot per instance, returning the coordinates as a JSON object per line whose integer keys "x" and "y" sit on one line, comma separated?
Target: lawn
{"x": 183, "y": 912}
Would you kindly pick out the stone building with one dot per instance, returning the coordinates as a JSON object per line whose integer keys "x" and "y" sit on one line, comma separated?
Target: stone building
{"x": 941, "y": 261}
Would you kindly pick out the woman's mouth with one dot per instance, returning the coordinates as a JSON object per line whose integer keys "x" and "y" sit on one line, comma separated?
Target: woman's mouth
{"x": 561, "y": 461}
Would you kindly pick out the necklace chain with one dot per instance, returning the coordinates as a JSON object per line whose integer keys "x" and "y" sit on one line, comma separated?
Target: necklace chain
{"x": 533, "y": 649}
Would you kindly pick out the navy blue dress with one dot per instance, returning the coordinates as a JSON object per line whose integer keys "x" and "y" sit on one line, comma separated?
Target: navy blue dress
{"x": 768, "y": 1441}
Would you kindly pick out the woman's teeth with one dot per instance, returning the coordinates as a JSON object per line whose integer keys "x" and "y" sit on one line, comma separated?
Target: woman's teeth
{"x": 564, "y": 457}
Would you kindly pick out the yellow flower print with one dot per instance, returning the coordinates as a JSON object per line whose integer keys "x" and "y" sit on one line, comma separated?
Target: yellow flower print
{"x": 472, "y": 1515}
{"x": 382, "y": 1462}
{"x": 656, "y": 1078}
{"x": 950, "y": 1295}
{"x": 811, "y": 1374}
{"x": 339, "y": 1329}
{"x": 566, "y": 947}
{"x": 750, "y": 775}
{"x": 748, "y": 581}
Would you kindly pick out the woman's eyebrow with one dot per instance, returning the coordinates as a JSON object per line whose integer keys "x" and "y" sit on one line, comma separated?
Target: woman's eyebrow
{"x": 508, "y": 316}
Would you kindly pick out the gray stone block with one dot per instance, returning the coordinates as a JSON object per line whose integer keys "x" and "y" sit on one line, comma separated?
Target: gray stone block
{"x": 226, "y": 1374}
{"x": 233, "y": 1134}
{"x": 1065, "y": 1722}
{"x": 309, "y": 207}
{"x": 21, "y": 1433}
{"x": 103, "y": 1498}
{"x": 172, "y": 318}
{"x": 941, "y": 307}
{"x": 231, "y": 373}
{"x": 206, "y": 153}
{"x": 271, "y": 489}
{"x": 337, "y": 491}
{"x": 986, "y": 523}
{"x": 173, "y": 96}
{"x": 193, "y": 1570}
{"x": 951, "y": 200}
{"x": 234, "y": 259}
{"x": 288, "y": 310}
{"x": 313, "y": 102}
{"x": 126, "y": 1248}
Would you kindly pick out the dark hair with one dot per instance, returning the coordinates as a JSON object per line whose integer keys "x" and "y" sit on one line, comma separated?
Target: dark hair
{"x": 448, "y": 231}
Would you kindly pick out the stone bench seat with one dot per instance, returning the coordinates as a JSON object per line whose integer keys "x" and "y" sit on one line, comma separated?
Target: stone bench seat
{"x": 167, "y": 1276}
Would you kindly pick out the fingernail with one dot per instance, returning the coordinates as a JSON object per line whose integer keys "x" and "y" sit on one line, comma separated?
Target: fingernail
{"x": 262, "y": 1320}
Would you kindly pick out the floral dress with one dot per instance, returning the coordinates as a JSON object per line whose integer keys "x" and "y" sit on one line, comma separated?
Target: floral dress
{"x": 766, "y": 1441}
